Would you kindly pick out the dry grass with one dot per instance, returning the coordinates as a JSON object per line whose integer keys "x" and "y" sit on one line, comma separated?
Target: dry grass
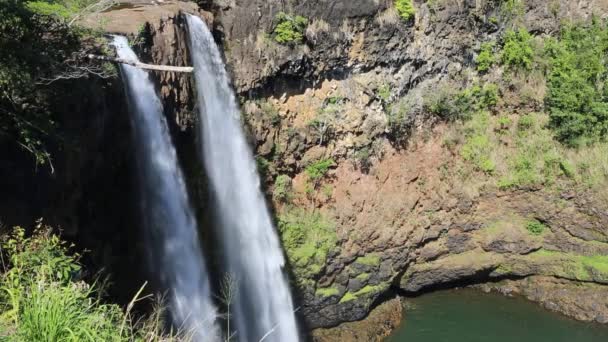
{"x": 388, "y": 18}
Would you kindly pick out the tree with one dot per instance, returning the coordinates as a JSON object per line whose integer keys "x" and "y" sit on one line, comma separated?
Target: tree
{"x": 38, "y": 43}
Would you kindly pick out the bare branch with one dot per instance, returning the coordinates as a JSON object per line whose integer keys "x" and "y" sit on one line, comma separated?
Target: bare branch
{"x": 142, "y": 65}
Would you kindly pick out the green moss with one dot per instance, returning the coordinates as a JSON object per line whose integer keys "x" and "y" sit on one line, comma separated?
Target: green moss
{"x": 307, "y": 237}
{"x": 348, "y": 296}
{"x": 369, "y": 260}
{"x": 327, "y": 292}
{"x": 369, "y": 289}
{"x": 572, "y": 266}
{"x": 363, "y": 276}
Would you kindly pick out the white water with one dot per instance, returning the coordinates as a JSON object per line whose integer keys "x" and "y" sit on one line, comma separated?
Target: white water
{"x": 252, "y": 252}
{"x": 173, "y": 240}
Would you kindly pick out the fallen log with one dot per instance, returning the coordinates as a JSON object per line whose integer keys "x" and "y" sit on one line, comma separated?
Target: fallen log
{"x": 142, "y": 65}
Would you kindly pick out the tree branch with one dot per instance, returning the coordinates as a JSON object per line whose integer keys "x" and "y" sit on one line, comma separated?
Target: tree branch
{"x": 142, "y": 65}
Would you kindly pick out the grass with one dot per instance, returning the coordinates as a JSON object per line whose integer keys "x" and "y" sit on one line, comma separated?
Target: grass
{"x": 573, "y": 266}
{"x": 42, "y": 297}
{"x": 520, "y": 152}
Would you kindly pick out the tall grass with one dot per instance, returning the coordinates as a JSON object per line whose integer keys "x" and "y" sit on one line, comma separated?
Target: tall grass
{"x": 42, "y": 298}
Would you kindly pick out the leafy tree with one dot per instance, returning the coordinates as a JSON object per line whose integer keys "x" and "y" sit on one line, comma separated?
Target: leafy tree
{"x": 578, "y": 84}
{"x": 36, "y": 40}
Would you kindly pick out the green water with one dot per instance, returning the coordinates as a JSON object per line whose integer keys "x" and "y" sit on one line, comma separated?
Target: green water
{"x": 472, "y": 316}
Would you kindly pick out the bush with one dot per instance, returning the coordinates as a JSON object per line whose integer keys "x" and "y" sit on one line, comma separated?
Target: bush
{"x": 289, "y": 29}
{"x": 317, "y": 170}
{"x": 42, "y": 297}
{"x": 453, "y": 105}
{"x": 486, "y": 57}
{"x": 282, "y": 188}
{"x": 405, "y": 9}
{"x": 525, "y": 122}
{"x": 535, "y": 227}
{"x": 518, "y": 52}
{"x": 577, "y": 97}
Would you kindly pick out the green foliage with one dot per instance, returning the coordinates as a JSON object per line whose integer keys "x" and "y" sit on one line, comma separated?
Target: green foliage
{"x": 511, "y": 8}
{"x": 578, "y": 84}
{"x": 282, "y": 189}
{"x": 477, "y": 149}
{"x": 535, "y": 227}
{"x": 384, "y": 92}
{"x": 269, "y": 111}
{"x": 35, "y": 42}
{"x": 452, "y": 105}
{"x": 405, "y": 9}
{"x": 486, "y": 57}
{"x": 316, "y": 171}
{"x": 525, "y": 122}
{"x": 518, "y": 52}
{"x": 289, "y": 29}
{"x": 263, "y": 165}
{"x": 308, "y": 237}
{"x": 363, "y": 159}
{"x": 43, "y": 299}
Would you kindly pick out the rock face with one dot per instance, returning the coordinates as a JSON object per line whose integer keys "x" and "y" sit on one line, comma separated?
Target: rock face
{"x": 402, "y": 219}
{"x": 400, "y": 207}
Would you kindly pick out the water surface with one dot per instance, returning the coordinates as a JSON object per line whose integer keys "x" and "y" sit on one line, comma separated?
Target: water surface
{"x": 473, "y": 316}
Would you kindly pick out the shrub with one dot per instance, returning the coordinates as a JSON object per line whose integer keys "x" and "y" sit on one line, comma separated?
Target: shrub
{"x": 525, "y": 122}
{"x": 282, "y": 188}
{"x": 577, "y": 97}
{"x": 405, "y": 9}
{"x": 270, "y": 111}
{"x": 317, "y": 170}
{"x": 289, "y": 30}
{"x": 486, "y": 57}
{"x": 518, "y": 52}
{"x": 384, "y": 92}
{"x": 535, "y": 227}
{"x": 42, "y": 297}
{"x": 453, "y": 105}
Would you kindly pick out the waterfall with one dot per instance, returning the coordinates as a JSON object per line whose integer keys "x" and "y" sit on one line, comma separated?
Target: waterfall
{"x": 263, "y": 308}
{"x": 171, "y": 228}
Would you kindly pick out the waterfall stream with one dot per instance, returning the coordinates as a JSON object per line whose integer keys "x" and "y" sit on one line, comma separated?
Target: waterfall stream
{"x": 263, "y": 308}
{"x": 172, "y": 236}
